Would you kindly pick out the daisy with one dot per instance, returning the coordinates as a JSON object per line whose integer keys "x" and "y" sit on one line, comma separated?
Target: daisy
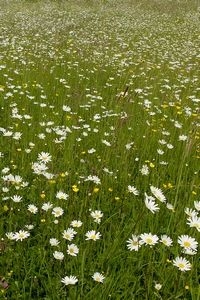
{"x": 144, "y": 170}
{"x": 133, "y": 243}
{"x": 32, "y": 208}
{"x": 194, "y": 221}
{"x": 16, "y": 198}
{"x": 69, "y": 234}
{"x": 54, "y": 242}
{"x": 68, "y": 280}
{"x": 166, "y": 240}
{"x": 197, "y": 205}
{"x": 61, "y": 195}
{"x": 187, "y": 242}
{"x": 10, "y": 235}
{"x": 150, "y": 203}
{"x": 98, "y": 277}
{"x": 158, "y": 194}
{"x": 149, "y": 239}
{"x": 190, "y": 212}
{"x": 182, "y": 264}
{"x": 57, "y": 212}
{"x": 158, "y": 286}
{"x": 92, "y": 235}
{"x": 97, "y": 215}
{"x": 46, "y": 206}
{"x": 21, "y": 235}
{"x": 58, "y": 255}
{"x": 133, "y": 190}
{"x": 72, "y": 250}
{"x": 76, "y": 223}
{"x": 44, "y": 157}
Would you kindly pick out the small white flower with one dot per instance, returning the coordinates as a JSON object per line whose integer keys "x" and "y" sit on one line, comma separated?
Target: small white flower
{"x": 58, "y": 255}
{"x": 182, "y": 264}
{"x": 61, "y": 195}
{"x": 98, "y": 277}
{"x": 97, "y": 215}
{"x": 144, "y": 170}
{"x": 197, "y": 205}
{"x": 76, "y": 223}
{"x": 69, "y": 234}
{"x": 158, "y": 193}
{"x": 187, "y": 242}
{"x": 16, "y": 198}
{"x": 182, "y": 137}
{"x": 57, "y": 212}
{"x": 149, "y": 239}
{"x": 46, "y": 206}
{"x": 21, "y": 235}
{"x": 32, "y": 208}
{"x": 54, "y": 242}
{"x": 133, "y": 190}
{"x": 150, "y": 203}
{"x": 93, "y": 235}
{"x": 133, "y": 243}
{"x": 158, "y": 286}
{"x": 68, "y": 280}
{"x": 166, "y": 240}
{"x": 72, "y": 250}
{"x": 45, "y": 157}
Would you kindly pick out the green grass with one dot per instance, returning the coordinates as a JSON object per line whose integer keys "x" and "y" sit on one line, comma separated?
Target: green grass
{"x": 129, "y": 71}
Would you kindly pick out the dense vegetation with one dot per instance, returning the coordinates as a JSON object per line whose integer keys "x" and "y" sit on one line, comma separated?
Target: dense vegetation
{"x": 99, "y": 150}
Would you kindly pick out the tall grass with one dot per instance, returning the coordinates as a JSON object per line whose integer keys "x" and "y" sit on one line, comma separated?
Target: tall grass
{"x": 99, "y": 112}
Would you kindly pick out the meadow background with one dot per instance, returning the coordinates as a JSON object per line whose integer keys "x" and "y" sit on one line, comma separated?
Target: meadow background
{"x": 99, "y": 131}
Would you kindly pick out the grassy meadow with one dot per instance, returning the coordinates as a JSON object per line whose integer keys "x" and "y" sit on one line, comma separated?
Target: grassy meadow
{"x": 99, "y": 150}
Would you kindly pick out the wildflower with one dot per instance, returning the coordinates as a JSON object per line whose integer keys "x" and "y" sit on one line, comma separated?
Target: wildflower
{"x": 16, "y": 198}
{"x": 75, "y": 188}
{"x": 32, "y": 208}
{"x": 10, "y": 235}
{"x": 194, "y": 221}
{"x": 57, "y": 212}
{"x": 61, "y": 195}
{"x": 182, "y": 264}
{"x": 76, "y": 223}
{"x": 149, "y": 239}
{"x": 58, "y": 255}
{"x": 158, "y": 286}
{"x": 129, "y": 145}
{"x": 189, "y": 251}
{"x": 69, "y": 280}
{"x": 54, "y": 242}
{"x": 72, "y": 250}
{"x": 66, "y": 108}
{"x": 98, "y": 277}
{"x": 44, "y": 157}
{"x": 144, "y": 170}
{"x": 182, "y": 137}
{"x": 69, "y": 234}
{"x": 133, "y": 190}
{"x": 93, "y": 235}
{"x": 46, "y": 206}
{"x": 166, "y": 240}
{"x": 158, "y": 194}
{"x": 21, "y": 235}
{"x": 150, "y": 203}
{"x": 133, "y": 243}
{"x": 187, "y": 242}
{"x": 92, "y": 150}
{"x": 170, "y": 207}
{"x": 97, "y": 215}
{"x": 93, "y": 178}
{"x": 197, "y": 205}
